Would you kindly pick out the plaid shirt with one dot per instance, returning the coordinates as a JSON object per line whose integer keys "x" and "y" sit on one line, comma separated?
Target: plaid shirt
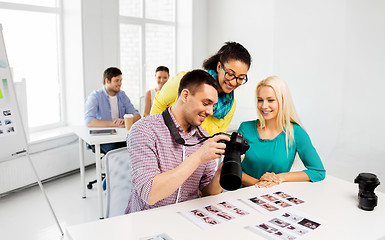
{"x": 151, "y": 151}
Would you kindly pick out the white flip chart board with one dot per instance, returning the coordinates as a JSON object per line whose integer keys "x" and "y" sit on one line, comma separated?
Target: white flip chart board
{"x": 12, "y": 136}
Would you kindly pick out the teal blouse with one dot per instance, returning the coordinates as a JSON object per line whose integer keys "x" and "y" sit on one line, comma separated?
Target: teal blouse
{"x": 269, "y": 155}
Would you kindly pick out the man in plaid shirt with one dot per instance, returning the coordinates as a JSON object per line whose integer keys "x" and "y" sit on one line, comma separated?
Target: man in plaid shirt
{"x": 165, "y": 172}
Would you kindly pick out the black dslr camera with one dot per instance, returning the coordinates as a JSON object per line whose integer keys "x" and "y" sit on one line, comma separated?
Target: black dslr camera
{"x": 231, "y": 174}
{"x": 367, "y": 182}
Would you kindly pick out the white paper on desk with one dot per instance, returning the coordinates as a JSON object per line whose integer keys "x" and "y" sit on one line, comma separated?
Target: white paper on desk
{"x": 162, "y": 236}
{"x": 212, "y": 215}
{"x": 288, "y": 225}
{"x": 272, "y": 202}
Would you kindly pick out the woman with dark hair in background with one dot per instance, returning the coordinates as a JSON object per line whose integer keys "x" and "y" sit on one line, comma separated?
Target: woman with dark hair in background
{"x": 162, "y": 74}
{"x": 229, "y": 66}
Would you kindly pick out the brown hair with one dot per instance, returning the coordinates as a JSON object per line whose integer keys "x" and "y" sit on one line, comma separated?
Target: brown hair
{"x": 196, "y": 78}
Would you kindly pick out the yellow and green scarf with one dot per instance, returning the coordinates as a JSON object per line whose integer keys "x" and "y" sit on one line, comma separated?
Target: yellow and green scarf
{"x": 225, "y": 100}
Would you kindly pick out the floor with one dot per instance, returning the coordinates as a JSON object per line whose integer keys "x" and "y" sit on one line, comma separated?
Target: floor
{"x": 26, "y": 214}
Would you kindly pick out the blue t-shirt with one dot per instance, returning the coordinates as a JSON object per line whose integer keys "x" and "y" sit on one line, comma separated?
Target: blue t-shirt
{"x": 269, "y": 155}
{"x": 98, "y": 106}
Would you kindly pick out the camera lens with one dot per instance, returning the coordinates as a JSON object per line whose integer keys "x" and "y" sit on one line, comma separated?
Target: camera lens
{"x": 367, "y": 201}
{"x": 367, "y": 182}
{"x": 231, "y": 174}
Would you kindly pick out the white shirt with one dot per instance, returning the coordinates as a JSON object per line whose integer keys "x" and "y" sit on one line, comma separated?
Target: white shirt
{"x": 114, "y": 107}
{"x": 153, "y": 92}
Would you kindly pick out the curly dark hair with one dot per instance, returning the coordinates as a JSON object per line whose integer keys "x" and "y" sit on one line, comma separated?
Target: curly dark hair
{"x": 231, "y": 50}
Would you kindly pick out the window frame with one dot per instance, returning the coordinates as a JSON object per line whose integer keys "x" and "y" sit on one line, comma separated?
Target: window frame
{"x": 142, "y": 21}
{"x": 58, "y": 11}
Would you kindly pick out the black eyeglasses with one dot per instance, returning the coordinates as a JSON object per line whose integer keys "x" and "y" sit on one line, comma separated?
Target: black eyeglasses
{"x": 229, "y": 76}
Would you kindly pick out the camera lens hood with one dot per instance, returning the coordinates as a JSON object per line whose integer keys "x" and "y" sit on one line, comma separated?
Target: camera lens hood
{"x": 368, "y": 179}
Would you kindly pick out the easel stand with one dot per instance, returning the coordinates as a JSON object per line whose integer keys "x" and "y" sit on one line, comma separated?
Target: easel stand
{"x": 45, "y": 195}
{"x": 15, "y": 133}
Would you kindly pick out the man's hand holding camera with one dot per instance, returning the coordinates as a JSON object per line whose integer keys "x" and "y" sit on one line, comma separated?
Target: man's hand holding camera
{"x": 162, "y": 187}
{"x": 212, "y": 149}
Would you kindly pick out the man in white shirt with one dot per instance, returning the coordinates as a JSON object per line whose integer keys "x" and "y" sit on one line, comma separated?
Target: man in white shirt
{"x": 106, "y": 107}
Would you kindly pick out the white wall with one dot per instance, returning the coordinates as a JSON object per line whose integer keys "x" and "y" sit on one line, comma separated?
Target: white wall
{"x": 251, "y": 23}
{"x": 100, "y": 22}
{"x": 332, "y": 55}
{"x": 191, "y": 34}
{"x": 199, "y": 33}
{"x": 73, "y": 72}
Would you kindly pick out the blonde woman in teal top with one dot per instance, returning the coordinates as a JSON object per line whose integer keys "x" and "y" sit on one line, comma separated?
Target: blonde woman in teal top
{"x": 275, "y": 138}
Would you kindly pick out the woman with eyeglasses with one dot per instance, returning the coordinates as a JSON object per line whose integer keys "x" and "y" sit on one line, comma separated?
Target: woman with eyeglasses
{"x": 229, "y": 66}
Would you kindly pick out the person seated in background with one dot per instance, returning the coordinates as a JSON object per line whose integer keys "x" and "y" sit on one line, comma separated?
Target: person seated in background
{"x": 229, "y": 67}
{"x": 106, "y": 107}
{"x": 275, "y": 138}
{"x": 165, "y": 172}
{"x": 161, "y": 76}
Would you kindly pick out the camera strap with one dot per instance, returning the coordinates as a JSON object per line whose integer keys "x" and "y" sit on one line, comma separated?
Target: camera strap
{"x": 174, "y": 132}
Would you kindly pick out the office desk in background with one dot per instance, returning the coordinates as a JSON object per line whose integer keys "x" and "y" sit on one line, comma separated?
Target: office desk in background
{"x": 83, "y": 133}
{"x": 333, "y": 200}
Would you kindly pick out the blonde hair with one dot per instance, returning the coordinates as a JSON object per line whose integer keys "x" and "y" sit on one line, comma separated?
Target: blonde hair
{"x": 286, "y": 110}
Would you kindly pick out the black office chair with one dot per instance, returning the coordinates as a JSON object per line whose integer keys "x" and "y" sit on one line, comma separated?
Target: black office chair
{"x": 104, "y": 152}
{"x": 89, "y": 185}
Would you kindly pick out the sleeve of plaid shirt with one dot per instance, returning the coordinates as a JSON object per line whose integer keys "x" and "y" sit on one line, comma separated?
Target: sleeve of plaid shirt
{"x": 208, "y": 174}
{"x": 143, "y": 157}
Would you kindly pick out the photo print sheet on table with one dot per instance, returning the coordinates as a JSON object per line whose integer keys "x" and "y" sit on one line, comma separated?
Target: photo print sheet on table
{"x": 271, "y": 202}
{"x": 215, "y": 214}
{"x": 287, "y": 225}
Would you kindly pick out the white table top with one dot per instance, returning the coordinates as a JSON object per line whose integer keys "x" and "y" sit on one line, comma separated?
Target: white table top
{"x": 333, "y": 200}
{"x": 84, "y": 133}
